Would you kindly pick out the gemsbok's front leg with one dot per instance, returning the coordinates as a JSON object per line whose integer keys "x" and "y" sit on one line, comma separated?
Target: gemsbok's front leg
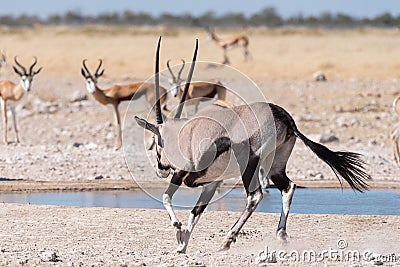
{"x": 204, "y": 199}
{"x": 176, "y": 181}
{"x": 4, "y": 111}
{"x": 252, "y": 186}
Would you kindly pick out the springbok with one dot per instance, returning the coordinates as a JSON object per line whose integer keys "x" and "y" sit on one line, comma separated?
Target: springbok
{"x": 3, "y": 60}
{"x": 198, "y": 150}
{"x": 115, "y": 94}
{"x": 14, "y": 92}
{"x": 240, "y": 40}
{"x": 198, "y": 91}
{"x": 395, "y": 135}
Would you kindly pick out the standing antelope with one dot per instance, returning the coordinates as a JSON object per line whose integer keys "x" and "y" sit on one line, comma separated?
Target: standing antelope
{"x": 395, "y": 135}
{"x": 115, "y": 94}
{"x": 198, "y": 91}
{"x": 14, "y": 92}
{"x": 198, "y": 151}
{"x": 234, "y": 41}
{"x": 3, "y": 60}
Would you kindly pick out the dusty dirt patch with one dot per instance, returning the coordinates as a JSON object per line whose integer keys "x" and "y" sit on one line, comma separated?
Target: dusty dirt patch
{"x": 137, "y": 237}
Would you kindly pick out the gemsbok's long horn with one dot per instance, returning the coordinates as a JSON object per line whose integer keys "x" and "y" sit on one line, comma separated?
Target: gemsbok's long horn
{"x": 157, "y": 85}
{"x": 189, "y": 78}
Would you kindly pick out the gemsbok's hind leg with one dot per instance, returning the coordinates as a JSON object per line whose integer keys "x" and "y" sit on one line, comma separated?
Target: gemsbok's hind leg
{"x": 283, "y": 183}
{"x": 204, "y": 199}
{"x": 252, "y": 186}
{"x": 287, "y": 188}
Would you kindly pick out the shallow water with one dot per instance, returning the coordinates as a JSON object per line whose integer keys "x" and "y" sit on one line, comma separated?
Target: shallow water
{"x": 313, "y": 201}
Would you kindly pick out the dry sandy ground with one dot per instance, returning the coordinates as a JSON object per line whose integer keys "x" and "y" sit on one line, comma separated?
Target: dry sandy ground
{"x": 31, "y": 234}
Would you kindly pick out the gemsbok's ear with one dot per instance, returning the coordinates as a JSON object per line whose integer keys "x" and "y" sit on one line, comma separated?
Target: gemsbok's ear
{"x": 147, "y": 125}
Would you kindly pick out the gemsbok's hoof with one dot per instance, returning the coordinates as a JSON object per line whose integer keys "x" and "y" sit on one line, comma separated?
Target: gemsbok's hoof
{"x": 177, "y": 224}
{"x": 224, "y": 247}
{"x": 180, "y": 235}
{"x": 181, "y": 248}
{"x": 282, "y": 236}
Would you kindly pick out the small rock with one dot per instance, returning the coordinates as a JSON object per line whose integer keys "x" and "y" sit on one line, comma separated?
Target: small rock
{"x": 22, "y": 261}
{"x": 122, "y": 263}
{"x": 76, "y": 144}
{"x": 50, "y": 256}
{"x": 341, "y": 122}
{"x": 91, "y": 146}
{"x": 99, "y": 177}
{"x": 78, "y": 96}
{"x": 373, "y": 143}
{"x": 327, "y": 138}
{"x": 110, "y": 136}
{"x": 319, "y": 76}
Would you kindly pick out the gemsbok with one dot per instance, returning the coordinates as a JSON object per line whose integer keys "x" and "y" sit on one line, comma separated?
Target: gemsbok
{"x": 198, "y": 91}
{"x": 239, "y": 40}
{"x": 395, "y": 135}
{"x": 115, "y": 94}
{"x": 198, "y": 150}
{"x": 14, "y": 92}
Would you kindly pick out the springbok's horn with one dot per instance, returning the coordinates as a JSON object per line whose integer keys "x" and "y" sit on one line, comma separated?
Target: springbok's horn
{"x": 19, "y": 65}
{"x": 33, "y": 65}
{"x": 180, "y": 71}
{"x": 85, "y": 67}
{"x": 98, "y": 68}
{"x": 169, "y": 68}
{"x": 157, "y": 85}
{"x": 189, "y": 78}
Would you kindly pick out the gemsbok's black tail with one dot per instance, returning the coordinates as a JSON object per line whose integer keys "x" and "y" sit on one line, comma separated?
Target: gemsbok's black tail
{"x": 347, "y": 165}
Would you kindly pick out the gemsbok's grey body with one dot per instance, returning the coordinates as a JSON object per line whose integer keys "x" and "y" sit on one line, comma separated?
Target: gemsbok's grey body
{"x": 199, "y": 152}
